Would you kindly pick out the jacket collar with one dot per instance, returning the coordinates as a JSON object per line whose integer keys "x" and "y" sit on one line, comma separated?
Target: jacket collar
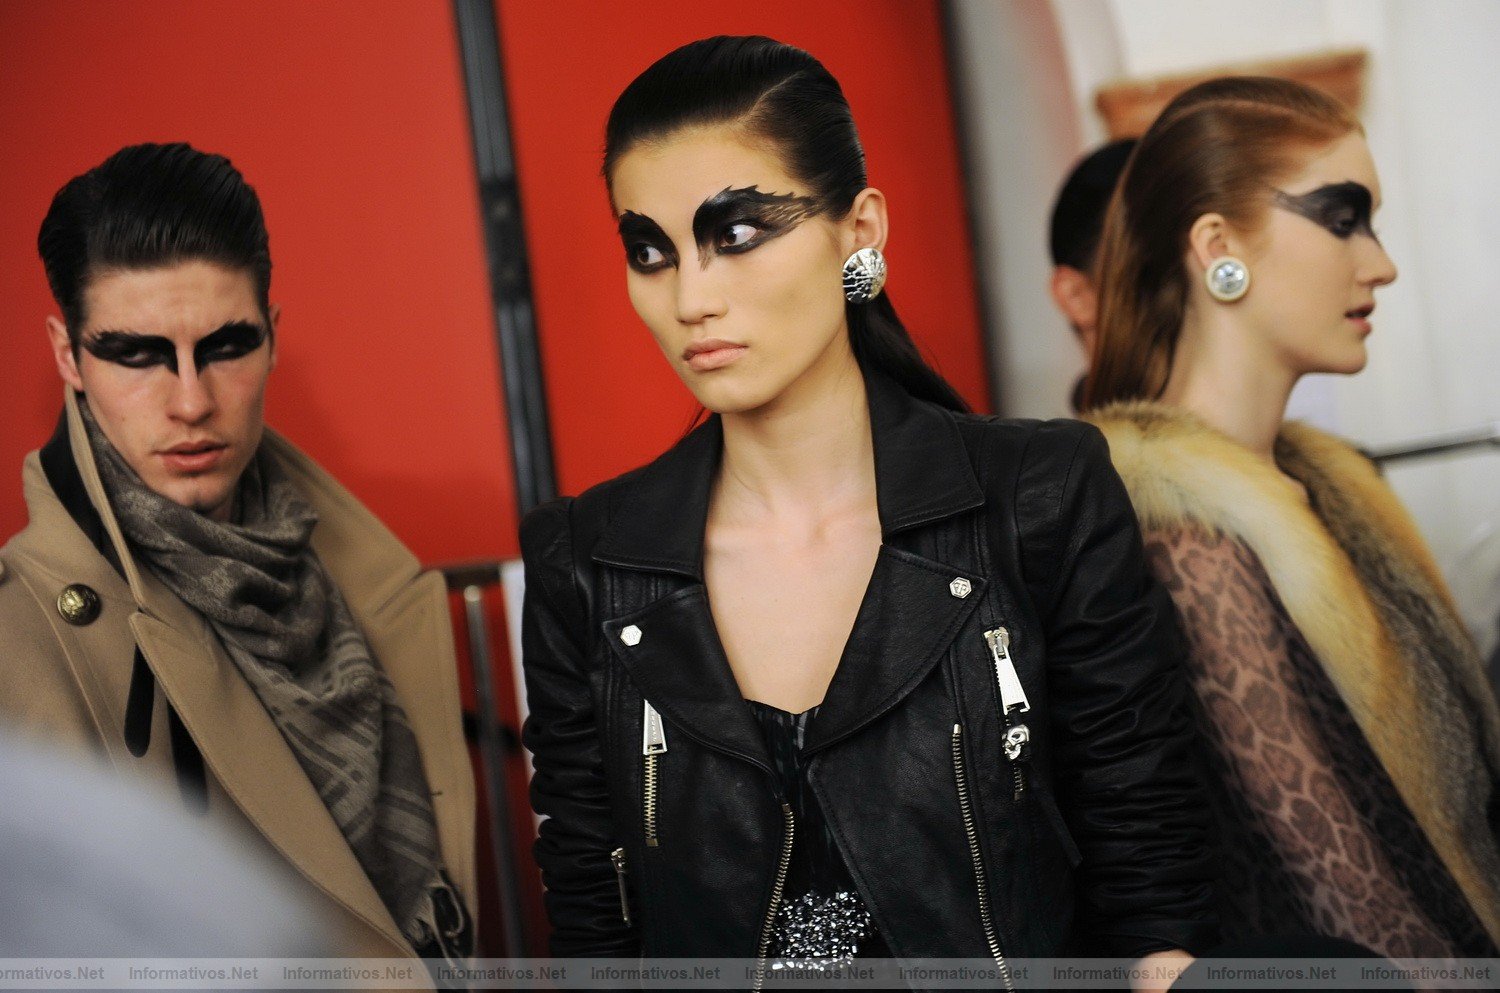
{"x": 61, "y": 469}
{"x": 385, "y": 589}
{"x": 922, "y": 474}
{"x": 367, "y": 561}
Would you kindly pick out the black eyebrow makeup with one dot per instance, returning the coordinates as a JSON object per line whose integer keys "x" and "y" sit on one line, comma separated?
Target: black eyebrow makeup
{"x": 140, "y": 351}
{"x": 130, "y": 349}
{"x": 229, "y": 342}
{"x": 638, "y": 231}
{"x": 773, "y": 213}
{"x": 1342, "y": 209}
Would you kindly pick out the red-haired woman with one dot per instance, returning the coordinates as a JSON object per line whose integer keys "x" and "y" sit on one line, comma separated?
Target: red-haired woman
{"x": 1355, "y": 742}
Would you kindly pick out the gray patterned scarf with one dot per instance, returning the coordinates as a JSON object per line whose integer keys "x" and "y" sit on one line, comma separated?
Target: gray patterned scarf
{"x": 286, "y": 626}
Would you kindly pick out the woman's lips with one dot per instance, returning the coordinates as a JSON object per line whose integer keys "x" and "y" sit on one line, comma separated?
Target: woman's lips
{"x": 1361, "y": 318}
{"x": 199, "y": 458}
{"x": 715, "y": 356}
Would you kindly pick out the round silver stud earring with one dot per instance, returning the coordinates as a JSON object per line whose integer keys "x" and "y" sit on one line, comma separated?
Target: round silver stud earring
{"x": 864, "y": 275}
{"x": 1227, "y": 279}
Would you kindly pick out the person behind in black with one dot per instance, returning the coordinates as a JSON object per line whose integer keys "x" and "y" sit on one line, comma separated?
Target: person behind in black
{"x": 849, "y": 671}
{"x": 1077, "y": 222}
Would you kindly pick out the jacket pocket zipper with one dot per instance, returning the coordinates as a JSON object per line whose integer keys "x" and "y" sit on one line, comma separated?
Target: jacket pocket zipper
{"x": 980, "y": 879}
{"x": 777, "y": 890}
{"x": 618, "y": 858}
{"x": 1012, "y": 698}
{"x": 653, "y": 744}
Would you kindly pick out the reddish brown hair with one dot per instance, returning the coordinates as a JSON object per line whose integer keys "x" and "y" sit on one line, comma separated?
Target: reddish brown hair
{"x": 1216, "y": 148}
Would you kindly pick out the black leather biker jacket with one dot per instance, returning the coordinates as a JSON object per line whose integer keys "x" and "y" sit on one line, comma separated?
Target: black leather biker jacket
{"x": 1009, "y": 549}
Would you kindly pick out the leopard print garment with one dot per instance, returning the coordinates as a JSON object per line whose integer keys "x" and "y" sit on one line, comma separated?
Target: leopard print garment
{"x": 1315, "y": 837}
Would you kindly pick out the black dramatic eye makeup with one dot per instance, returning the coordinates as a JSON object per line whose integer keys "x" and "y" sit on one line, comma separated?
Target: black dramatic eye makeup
{"x": 771, "y": 214}
{"x": 229, "y": 342}
{"x": 647, "y": 247}
{"x": 1343, "y": 209}
{"x": 127, "y": 348}
{"x": 141, "y": 351}
{"x": 730, "y": 222}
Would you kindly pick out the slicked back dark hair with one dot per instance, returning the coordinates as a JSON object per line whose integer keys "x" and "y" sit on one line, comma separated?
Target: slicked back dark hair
{"x": 783, "y": 96}
{"x": 1078, "y": 214}
{"x": 148, "y": 206}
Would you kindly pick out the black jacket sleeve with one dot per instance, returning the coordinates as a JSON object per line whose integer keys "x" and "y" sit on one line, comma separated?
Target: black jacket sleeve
{"x": 1129, "y": 789}
{"x": 568, "y": 786}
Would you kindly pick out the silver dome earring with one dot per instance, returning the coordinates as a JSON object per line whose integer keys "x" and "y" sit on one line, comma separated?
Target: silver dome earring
{"x": 1227, "y": 279}
{"x": 864, "y": 275}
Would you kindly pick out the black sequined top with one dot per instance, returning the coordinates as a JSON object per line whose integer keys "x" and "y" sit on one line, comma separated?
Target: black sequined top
{"x": 822, "y": 922}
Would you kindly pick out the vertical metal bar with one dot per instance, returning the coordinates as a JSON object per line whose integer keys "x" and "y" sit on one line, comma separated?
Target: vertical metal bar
{"x": 510, "y": 275}
{"x": 492, "y": 761}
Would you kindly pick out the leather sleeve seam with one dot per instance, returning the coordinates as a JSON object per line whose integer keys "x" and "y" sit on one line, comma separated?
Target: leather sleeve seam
{"x": 1062, "y": 503}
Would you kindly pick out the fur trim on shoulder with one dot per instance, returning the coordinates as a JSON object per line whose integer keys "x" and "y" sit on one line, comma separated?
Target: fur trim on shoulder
{"x": 1303, "y": 444}
{"x": 1180, "y": 472}
{"x": 1344, "y": 578}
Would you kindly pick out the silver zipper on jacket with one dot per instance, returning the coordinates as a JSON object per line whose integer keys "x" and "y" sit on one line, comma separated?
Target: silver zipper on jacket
{"x": 776, "y": 893}
{"x": 618, "y": 858}
{"x": 980, "y": 879}
{"x": 653, "y": 744}
{"x": 1012, "y": 698}
{"x": 1012, "y": 693}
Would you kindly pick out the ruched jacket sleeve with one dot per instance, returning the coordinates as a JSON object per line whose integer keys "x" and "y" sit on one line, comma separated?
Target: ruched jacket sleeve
{"x": 568, "y": 785}
{"x": 1130, "y": 790}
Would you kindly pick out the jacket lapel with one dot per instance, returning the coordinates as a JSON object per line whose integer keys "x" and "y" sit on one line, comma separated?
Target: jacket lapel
{"x": 240, "y": 744}
{"x": 908, "y": 616}
{"x": 682, "y": 670}
{"x": 403, "y": 614}
{"x": 93, "y": 651}
{"x": 657, "y": 517}
{"x": 414, "y": 631}
{"x": 922, "y": 475}
{"x": 248, "y": 757}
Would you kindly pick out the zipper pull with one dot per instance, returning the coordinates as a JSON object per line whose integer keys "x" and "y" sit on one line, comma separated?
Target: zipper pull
{"x": 653, "y": 735}
{"x": 1012, "y": 694}
{"x": 618, "y": 858}
{"x": 1016, "y": 740}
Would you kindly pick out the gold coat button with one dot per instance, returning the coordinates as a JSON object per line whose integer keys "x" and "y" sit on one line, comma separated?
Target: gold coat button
{"x": 78, "y": 604}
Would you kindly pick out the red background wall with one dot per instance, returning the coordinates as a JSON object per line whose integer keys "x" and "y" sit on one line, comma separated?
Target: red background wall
{"x": 614, "y": 401}
{"x": 349, "y": 120}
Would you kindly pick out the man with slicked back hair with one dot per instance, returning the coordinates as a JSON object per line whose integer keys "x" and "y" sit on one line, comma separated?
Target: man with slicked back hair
{"x": 195, "y": 601}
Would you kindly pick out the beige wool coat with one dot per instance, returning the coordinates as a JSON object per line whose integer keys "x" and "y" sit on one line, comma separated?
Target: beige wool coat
{"x": 66, "y": 684}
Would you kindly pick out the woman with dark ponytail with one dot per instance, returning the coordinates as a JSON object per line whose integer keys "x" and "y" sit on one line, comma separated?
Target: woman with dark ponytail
{"x": 848, "y": 671}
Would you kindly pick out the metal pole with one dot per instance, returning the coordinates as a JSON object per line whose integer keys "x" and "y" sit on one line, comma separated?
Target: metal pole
{"x": 525, "y": 399}
{"x": 510, "y": 275}
{"x": 492, "y": 761}
{"x": 1487, "y": 436}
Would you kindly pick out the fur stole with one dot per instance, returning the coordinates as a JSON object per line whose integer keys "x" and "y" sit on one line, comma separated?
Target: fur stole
{"x": 1360, "y": 584}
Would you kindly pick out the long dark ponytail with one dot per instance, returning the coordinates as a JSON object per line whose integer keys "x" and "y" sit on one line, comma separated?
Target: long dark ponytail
{"x": 784, "y": 96}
